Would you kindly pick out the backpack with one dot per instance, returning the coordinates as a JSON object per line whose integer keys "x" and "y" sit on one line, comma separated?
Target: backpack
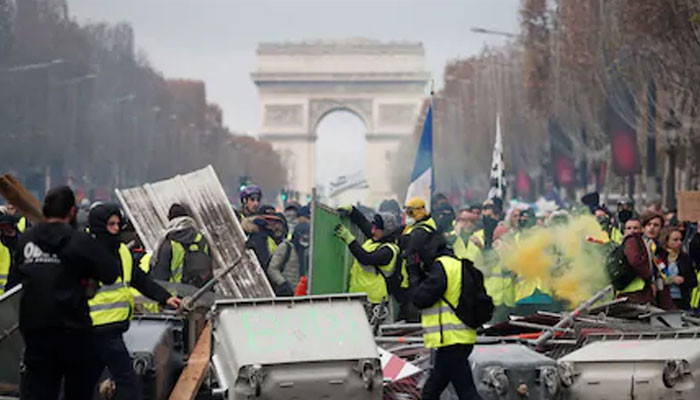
{"x": 197, "y": 267}
{"x": 617, "y": 266}
{"x": 475, "y": 306}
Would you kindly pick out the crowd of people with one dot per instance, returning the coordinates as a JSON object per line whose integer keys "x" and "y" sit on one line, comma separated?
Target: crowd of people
{"x": 81, "y": 285}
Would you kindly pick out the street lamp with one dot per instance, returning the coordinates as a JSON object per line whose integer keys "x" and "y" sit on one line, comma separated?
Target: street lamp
{"x": 671, "y": 127}
{"x": 476, "y": 29}
{"x": 29, "y": 67}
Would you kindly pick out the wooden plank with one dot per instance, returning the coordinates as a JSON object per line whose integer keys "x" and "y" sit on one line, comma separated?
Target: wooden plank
{"x": 192, "y": 376}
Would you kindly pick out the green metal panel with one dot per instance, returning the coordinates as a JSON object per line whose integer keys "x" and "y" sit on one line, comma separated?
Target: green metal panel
{"x": 330, "y": 258}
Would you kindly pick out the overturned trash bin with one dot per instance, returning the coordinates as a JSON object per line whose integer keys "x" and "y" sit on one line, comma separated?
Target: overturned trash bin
{"x": 633, "y": 366}
{"x": 509, "y": 370}
{"x": 316, "y": 347}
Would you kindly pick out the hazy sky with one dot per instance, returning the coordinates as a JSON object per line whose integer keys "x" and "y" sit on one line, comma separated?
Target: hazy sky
{"x": 215, "y": 40}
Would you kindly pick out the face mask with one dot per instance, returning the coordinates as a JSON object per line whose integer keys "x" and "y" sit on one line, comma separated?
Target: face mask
{"x": 410, "y": 221}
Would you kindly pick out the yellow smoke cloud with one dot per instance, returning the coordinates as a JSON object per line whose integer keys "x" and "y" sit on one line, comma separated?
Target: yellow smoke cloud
{"x": 559, "y": 259}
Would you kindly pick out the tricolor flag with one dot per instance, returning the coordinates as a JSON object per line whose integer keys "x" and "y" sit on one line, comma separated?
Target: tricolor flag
{"x": 498, "y": 168}
{"x": 422, "y": 178}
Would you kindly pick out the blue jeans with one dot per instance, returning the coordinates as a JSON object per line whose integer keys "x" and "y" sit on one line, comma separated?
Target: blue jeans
{"x": 112, "y": 353}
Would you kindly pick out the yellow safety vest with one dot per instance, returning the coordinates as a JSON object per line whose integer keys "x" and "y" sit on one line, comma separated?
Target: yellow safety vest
{"x": 427, "y": 225}
{"x": 473, "y": 252}
{"x": 638, "y": 283}
{"x": 441, "y": 326}
{"x": 114, "y": 303}
{"x": 5, "y": 259}
{"x": 366, "y": 279}
{"x": 271, "y": 245}
{"x": 501, "y": 288}
{"x": 139, "y": 298}
{"x": 459, "y": 247}
{"x": 695, "y": 294}
{"x": 22, "y": 224}
{"x": 616, "y": 235}
{"x": 177, "y": 261}
{"x": 526, "y": 288}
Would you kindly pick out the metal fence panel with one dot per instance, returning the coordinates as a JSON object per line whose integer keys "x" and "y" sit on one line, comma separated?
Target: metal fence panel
{"x": 330, "y": 258}
{"x": 201, "y": 191}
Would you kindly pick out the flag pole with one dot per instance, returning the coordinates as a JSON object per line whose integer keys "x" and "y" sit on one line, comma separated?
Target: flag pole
{"x": 432, "y": 140}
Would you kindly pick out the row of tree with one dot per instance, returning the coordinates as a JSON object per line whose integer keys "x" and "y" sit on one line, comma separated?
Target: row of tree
{"x": 588, "y": 92}
{"x": 79, "y": 106}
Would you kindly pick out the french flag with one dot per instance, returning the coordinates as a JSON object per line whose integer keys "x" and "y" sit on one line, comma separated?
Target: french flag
{"x": 422, "y": 178}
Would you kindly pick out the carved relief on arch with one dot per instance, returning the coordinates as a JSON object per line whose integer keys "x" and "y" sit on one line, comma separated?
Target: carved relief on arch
{"x": 278, "y": 115}
{"x": 318, "y": 108}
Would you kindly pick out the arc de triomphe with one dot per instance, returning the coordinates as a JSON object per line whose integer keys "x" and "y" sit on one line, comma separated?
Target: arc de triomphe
{"x": 299, "y": 83}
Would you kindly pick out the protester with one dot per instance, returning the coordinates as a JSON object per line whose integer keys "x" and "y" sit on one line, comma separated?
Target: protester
{"x": 641, "y": 290}
{"x": 112, "y": 306}
{"x": 391, "y": 206}
{"x": 283, "y": 269}
{"x": 376, "y": 259}
{"x": 251, "y": 198}
{"x": 8, "y": 246}
{"x": 441, "y": 282}
{"x": 463, "y": 229}
{"x": 22, "y": 224}
{"x": 54, "y": 264}
{"x": 265, "y": 236}
{"x": 304, "y": 214}
{"x": 182, "y": 255}
{"x": 290, "y": 214}
{"x": 301, "y": 239}
{"x": 444, "y": 217}
{"x": 677, "y": 267}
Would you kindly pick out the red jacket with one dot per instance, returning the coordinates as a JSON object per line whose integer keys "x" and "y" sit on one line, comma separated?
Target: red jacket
{"x": 638, "y": 258}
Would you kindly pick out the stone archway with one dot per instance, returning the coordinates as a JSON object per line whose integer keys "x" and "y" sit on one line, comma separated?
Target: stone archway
{"x": 300, "y": 83}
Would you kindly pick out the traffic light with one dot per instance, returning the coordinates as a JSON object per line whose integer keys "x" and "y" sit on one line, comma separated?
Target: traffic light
{"x": 284, "y": 195}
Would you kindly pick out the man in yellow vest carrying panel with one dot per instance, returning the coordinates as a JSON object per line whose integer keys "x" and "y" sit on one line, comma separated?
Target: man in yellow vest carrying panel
{"x": 183, "y": 255}
{"x": 442, "y": 329}
{"x": 112, "y": 306}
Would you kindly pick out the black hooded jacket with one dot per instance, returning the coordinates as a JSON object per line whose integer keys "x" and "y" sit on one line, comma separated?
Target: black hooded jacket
{"x": 97, "y": 221}
{"x": 378, "y": 257}
{"x": 54, "y": 263}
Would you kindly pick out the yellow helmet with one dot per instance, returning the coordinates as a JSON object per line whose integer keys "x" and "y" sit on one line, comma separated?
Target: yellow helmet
{"x": 415, "y": 203}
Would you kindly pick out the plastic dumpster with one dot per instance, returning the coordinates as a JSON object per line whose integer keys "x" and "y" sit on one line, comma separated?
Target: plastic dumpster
{"x": 509, "y": 371}
{"x": 626, "y": 366}
{"x": 155, "y": 344}
{"x": 316, "y": 347}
